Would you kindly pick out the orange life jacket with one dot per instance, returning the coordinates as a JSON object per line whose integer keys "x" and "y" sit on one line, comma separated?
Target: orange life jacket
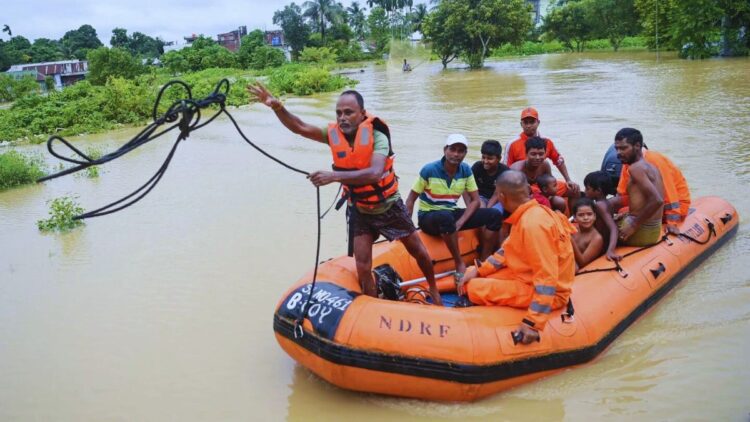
{"x": 358, "y": 157}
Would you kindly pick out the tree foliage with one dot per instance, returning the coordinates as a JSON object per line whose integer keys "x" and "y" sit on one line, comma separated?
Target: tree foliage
{"x": 204, "y": 53}
{"x": 471, "y": 28}
{"x": 323, "y": 13}
{"x": 377, "y": 25}
{"x": 77, "y": 43}
{"x": 266, "y": 56}
{"x": 613, "y": 20}
{"x": 443, "y": 28}
{"x": 296, "y": 31}
{"x": 571, "y": 22}
{"x": 697, "y": 28}
{"x": 46, "y": 50}
{"x": 357, "y": 20}
{"x": 138, "y": 44}
{"x": 105, "y": 63}
{"x": 12, "y": 88}
{"x": 248, "y": 44}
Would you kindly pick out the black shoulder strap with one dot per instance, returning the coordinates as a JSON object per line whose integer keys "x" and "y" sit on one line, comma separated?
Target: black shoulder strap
{"x": 378, "y": 125}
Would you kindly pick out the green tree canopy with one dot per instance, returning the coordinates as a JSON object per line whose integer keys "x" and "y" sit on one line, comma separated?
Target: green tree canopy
{"x": 46, "y": 50}
{"x": 112, "y": 62}
{"x": 471, "y": 28}
{"x": 78, "y": 42}
{"x": 321, "y": 13}
{"x": 571, "y": 22}
{"x": 296, "y": 31}
{"x": 613, "y": 19}
{"x": 249, "y": 43}
{"x": 357, "y": 19}
{"x": 18, "y": 50}
{"x": 379, "y": 29}
{"x": 266, "y": 56}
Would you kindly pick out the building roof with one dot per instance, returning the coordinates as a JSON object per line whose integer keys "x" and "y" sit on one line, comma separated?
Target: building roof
{"x": 20, "y": 67}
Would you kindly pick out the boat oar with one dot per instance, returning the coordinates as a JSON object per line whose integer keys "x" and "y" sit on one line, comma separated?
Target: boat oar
{"x": 423, "y": 279}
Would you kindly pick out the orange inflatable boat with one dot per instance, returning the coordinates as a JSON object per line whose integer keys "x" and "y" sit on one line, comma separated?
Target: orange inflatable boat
{"x": 463, "y": 354}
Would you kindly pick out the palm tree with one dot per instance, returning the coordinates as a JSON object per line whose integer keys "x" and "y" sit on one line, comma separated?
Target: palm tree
{"x": 321, "y": 12}
{"x": 357, "y": 19}
{"x": 418, "y": 16}
{"x": 6, "y": 28}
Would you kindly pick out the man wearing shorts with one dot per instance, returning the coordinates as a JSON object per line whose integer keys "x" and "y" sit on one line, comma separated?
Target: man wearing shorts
{"x": 363, "y": 163}
{"x": 439, "y": 186}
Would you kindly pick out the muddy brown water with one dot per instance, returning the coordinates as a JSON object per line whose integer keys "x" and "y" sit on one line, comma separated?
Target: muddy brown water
{"x": 164, "y": 311}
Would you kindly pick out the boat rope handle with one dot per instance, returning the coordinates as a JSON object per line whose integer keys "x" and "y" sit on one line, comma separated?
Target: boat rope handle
{"x": 185, "y": 115}
{"x": 665, "y": 238}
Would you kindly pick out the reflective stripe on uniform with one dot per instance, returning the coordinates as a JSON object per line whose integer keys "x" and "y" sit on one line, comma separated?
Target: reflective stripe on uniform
{"x": 542, "y": 309}
{"x": 334, "y": 135}
{"x": 365, "y": 136}
{"x": 545, "y": 290}
{"x": 495, "y": 263}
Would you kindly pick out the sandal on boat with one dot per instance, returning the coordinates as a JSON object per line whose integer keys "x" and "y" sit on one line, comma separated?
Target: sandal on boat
{"x": 462, "y": 302}
{"x": 457, "y": 277}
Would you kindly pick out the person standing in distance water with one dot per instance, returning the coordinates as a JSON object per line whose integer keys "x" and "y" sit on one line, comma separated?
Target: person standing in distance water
{"x": 363, "y": 162}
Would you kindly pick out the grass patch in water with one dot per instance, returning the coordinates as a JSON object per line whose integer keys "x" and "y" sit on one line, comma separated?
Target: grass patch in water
{"x": 530, "y": 48}
{"x": 62, "y": 210}
{"x": 18, "y": 169}
{"x": 95, "y": 154}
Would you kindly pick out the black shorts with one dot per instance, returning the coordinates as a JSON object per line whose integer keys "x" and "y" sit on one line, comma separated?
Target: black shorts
{"x": 444, "y": 222}
{"x": 393, "y": 224}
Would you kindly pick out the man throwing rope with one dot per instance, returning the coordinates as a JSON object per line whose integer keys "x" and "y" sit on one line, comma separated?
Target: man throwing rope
{"x": 363, "y": 163}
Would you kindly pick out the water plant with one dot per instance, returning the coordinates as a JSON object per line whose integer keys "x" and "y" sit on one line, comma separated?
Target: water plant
{"x": 95, "y": 154}
{"x": 19, "y": 169}
{"x": 62, "y": 210}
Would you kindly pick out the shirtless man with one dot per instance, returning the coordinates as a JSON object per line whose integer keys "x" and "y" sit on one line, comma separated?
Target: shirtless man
{"x": 641, "y": 225}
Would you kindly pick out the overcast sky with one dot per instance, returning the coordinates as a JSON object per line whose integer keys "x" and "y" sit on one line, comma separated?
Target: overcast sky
{"x": 169, "y": 19}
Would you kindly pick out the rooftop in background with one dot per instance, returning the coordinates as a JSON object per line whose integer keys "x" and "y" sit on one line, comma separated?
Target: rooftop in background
{"x": 64, "y": 72}
{"x": 231, "y": 40}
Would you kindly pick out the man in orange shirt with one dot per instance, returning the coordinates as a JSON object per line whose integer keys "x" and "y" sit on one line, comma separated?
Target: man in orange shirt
{"x": 535, "y": 267}
{"x": 516, "y": 150}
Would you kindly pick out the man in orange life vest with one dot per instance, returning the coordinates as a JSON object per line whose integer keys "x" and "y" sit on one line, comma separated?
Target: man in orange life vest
{"x": 534, "y": 268}
{"x": 516, "y": 150}
{"x": 363, "y": 163}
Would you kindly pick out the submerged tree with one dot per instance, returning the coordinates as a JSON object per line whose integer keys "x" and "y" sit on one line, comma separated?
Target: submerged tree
{"x": 571, "y": 22}
{"x": 471, "y": 28}
{"x": 614, "y": 19}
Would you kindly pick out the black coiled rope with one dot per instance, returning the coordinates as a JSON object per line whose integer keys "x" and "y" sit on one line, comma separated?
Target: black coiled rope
{"x": 185, "y": 115}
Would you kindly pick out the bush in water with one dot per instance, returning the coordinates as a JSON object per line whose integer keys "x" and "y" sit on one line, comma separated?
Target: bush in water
{"x": 305, "y": 80}
{"x": 18, "y": 169}
{"x": 62, "y": 210}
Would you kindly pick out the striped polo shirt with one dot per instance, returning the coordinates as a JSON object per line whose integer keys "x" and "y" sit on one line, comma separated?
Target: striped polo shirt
{"x": 437, "y": 191}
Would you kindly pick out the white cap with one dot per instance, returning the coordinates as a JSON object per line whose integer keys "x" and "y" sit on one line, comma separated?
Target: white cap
{"x": 456, "y": 138}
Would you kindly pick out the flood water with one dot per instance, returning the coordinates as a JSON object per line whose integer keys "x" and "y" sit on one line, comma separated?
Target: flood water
{"x": 164, "y": 311}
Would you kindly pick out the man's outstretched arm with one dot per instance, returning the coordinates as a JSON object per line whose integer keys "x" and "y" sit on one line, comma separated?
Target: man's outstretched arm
{"x": 292, "y": 122}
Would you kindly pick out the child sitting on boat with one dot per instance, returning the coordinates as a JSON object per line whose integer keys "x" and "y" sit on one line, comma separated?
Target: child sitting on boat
{"x": 598, "y": 186}
{"x": 587, "y": 242}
